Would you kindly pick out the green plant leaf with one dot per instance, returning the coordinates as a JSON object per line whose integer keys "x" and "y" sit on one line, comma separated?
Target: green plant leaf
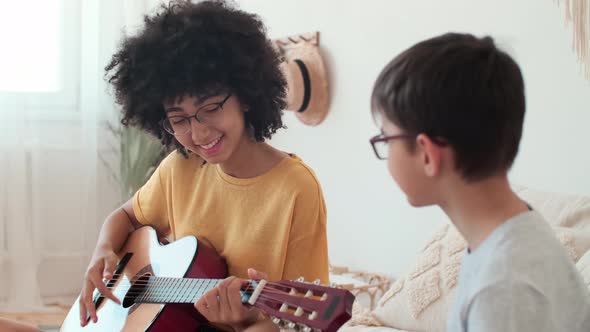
{"x": 140, "y": 153}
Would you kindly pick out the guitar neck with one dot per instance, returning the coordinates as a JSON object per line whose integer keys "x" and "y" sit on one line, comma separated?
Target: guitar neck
{"x": 174, "y": 290}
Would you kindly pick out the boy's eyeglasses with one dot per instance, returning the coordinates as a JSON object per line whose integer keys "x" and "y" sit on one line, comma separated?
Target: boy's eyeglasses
{"x": 381, "y": 147}
{"x": 380, "y": 144}
{"x": 207, "y": 115}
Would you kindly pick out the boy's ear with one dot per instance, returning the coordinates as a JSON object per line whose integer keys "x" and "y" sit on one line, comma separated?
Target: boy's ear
{"x": 430, "y": 153}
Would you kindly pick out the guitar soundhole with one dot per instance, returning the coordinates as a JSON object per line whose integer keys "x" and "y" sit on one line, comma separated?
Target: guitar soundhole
{"x": 136, "y": 290}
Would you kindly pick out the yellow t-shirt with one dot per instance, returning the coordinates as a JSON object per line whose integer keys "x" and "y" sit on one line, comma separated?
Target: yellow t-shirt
{"x": 275, "y": 223}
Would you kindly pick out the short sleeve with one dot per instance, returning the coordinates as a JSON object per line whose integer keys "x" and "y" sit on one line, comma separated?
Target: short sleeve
{"x": 307, "y": 250}
{"x": 150, "y": 202}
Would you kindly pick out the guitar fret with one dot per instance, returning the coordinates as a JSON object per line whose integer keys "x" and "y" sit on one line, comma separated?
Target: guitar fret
{"x": 183, "y": 290}
{"x": 153, "y": 290}
{"x": 201, "y": 289}
{"x": 166, "y": 291}
{"x": 189, "y": 290}
{"x": 202, "y": 286}
{"x": 161, "y": 291}
{"x": 210, "y": 285}
{"x": 186, "y": 290}
{"x": 197, "y": 289}
{"x": 144, "y": 295}
{"x": 173, "y": 287}
{"x": 206, "y": 287}
{"x": 189, "y": 295}
{"x": 172, "y": 290}
{"x": 156, "y": 292}
{"x": 141, "y": 297}
{"x": 179, "y": 290}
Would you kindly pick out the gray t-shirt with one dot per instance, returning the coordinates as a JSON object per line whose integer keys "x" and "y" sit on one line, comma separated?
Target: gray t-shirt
{"x": 520, "y": 279}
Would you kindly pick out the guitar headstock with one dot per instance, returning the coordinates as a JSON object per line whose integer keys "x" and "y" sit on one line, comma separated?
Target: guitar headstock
{"x": 305, "y": 306}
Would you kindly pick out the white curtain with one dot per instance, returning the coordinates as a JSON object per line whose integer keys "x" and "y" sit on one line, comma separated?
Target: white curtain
{"x": 54, "y": 190}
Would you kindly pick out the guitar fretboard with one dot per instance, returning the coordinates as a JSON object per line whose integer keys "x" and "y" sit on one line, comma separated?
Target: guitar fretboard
{"x": 175, "y": 290}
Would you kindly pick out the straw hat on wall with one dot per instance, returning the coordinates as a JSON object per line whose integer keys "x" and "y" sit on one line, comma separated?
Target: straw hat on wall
{"x": 307, "y": 82}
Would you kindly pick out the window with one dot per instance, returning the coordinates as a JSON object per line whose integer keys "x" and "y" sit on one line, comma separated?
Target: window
{"x": 40, "y": 58}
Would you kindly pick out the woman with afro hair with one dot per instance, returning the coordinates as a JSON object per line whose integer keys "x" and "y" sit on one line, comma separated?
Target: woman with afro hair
{"x": 205, "y": 79}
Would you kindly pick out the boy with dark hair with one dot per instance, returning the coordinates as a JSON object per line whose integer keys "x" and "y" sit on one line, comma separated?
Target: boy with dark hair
{"x": 450, "y": 110}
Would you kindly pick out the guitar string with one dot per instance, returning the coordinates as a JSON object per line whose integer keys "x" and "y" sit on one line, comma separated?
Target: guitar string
{"x": 262, "y": 296}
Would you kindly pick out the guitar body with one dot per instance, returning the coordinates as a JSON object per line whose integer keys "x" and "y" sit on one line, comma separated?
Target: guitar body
{"x": 184, "y": 258}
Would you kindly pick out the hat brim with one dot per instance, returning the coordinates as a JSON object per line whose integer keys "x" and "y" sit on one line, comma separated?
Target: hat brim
{"x": 308, "y": 93}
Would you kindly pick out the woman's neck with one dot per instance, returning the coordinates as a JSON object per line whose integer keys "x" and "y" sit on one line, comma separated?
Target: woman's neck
{"x": 251, "y": 159}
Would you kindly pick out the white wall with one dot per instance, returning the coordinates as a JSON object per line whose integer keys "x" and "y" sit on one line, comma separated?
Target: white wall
{"x": 371, "y": 226}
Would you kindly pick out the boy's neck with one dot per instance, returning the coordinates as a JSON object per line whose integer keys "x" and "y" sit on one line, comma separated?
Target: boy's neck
{"x": 478, "y": 208}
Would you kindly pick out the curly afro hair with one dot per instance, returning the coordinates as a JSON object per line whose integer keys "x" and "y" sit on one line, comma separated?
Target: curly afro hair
{"x": 198, "y": 49}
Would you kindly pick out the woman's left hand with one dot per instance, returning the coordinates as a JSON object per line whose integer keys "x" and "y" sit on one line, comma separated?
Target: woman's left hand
{"x": 223, "y": 305}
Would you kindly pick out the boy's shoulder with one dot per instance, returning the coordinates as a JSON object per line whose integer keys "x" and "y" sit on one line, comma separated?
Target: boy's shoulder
{"x": 523, "y": 251}
{"x": 523, "y": 265}
{"x": 524, "y": 240}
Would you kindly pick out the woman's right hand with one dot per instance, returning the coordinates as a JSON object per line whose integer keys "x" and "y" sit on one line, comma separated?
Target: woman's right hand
{"x": 102, "y": 266}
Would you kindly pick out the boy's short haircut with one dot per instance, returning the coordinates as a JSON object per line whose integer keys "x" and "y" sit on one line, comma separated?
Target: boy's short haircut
{"x": 461, "y": 89}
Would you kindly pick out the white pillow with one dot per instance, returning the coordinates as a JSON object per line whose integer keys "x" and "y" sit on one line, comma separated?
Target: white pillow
{"x": 420, "y": 300}
{"x": 572, "y": 211}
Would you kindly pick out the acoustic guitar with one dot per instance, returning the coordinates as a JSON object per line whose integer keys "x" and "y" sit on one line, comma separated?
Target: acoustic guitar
{"x": 159, "y": 284}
